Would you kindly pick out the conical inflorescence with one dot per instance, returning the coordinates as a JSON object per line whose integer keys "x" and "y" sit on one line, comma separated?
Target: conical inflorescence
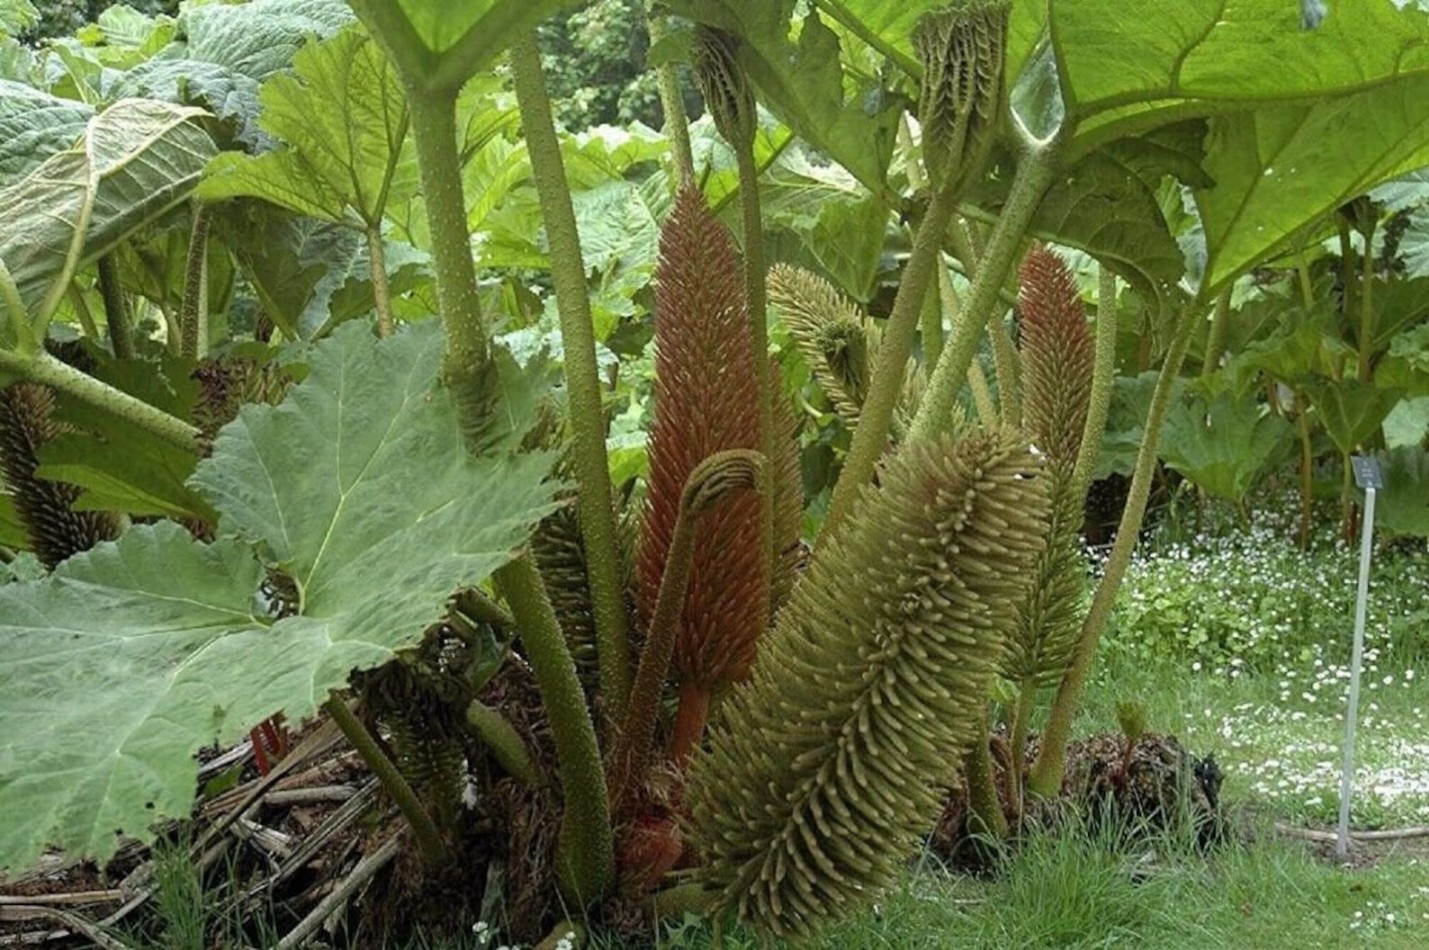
{"x": 1057, "y": 353}
{"x": 827, "y": 765}
{"x": 706, "y": 401}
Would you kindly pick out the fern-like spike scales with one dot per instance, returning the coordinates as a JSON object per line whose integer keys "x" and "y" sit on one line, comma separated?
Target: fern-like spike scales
{"x": 824, "y": 768}
{"x": 55, "y": 531}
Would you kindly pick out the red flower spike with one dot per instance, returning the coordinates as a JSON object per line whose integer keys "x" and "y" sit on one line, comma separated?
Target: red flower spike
{"x": 706, "y": 401}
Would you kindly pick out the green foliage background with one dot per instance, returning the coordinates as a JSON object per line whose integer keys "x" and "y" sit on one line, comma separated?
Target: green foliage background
{"x": 63, "y": 17}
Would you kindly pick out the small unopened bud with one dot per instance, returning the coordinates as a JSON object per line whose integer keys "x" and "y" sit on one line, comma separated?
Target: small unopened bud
{"x": 964, "y": 50}
{"x": 727, "y": 92}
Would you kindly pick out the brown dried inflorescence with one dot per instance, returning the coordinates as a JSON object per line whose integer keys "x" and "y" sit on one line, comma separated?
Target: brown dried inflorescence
{"x": 706, "y": 401}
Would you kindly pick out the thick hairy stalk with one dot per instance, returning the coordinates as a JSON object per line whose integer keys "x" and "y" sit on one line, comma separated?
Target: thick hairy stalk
{"x": 193, "y": 312}
{"x": 44, "y": 368}
{"x": 984, "y": 807}
{"x": 931, "y": 327}
{"x": 1218, "y": 333}
{"x": 931, "y": 322}
{"x": 585, "y": 848}
{"x": 716, "y": 477}
{"x": 730, "y": 100}
{"x": 890, "y": 368}
{"x": 705, "y": 399}
{"x": 583, "y": 388}
{"x": 44, "y": 507}
{"x": 507, "y": 747}
{"x": 1046, "y": 777}
{"x": 467, "y": 369}
{"x": 1103, "y": 377}
{"x": 429, "y": 841}
{"x": 1366, "y": 281}
{"x": 822, "y": 770}
{"x": 381, "y": 291}
{"x": 672, "y": 103}
{"x": 1034, "y": 176}
{"x": 1004, "y": 365}
{"x": 786, "y": 495}
{"x": 116, "y": 308}
{"x": 977, "y": 382}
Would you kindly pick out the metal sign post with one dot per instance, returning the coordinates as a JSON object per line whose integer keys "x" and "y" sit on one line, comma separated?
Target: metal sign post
{"x": 1368, "y": 477}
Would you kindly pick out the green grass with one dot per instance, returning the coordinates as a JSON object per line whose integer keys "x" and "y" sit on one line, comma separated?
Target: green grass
{"x": 1072, "y": 890}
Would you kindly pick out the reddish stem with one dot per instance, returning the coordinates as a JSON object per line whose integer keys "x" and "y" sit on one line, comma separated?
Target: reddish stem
{"x": 689, "y": 722}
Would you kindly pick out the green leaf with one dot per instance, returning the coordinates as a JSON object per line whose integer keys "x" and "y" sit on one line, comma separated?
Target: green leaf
{"x": 358, "y": 479}
{"x": 17, "y": 16}
{"x": 343, "y": 121}
{"x": 1398, "y": 306}
{"x": 259, "y": 38}
{"x": 230, "y": 95}
{"x": 1223, "y": 444}
{"x": 1403, "y": 505}
{"x": 1351, "y": 411}
{"x": 1278, "y": 170}
{"x": 440, "y": 44}
{"x": 135, "y": 161}
{"x": 12, "y": 532}
{"x": 311, "y": 275}
{"x": 122, "y": 467}
{"x": 1301, "y": 348}
{"x": 33, "y": 126}
{"x": 1414, "y": 244}
{"x": 121, "y": 26}
{"x": 1407, "y": 424}
{"x": 1301, "y": 120}
{"x": 1413, "y": 347}
{"x": 1108, "y": 202}
{"x": 25, "y": 567}
{"x": 802, "y": 82}
{"x": 110, "y": 686}
{"x": 1135, "y": 62}
{"x": 224, "y": 52}
{"x": 134, "y": 655}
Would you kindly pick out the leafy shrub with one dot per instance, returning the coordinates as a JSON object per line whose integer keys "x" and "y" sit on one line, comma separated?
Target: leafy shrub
{"x": 595, "y": 63}
{"x": 1246, "y": 599}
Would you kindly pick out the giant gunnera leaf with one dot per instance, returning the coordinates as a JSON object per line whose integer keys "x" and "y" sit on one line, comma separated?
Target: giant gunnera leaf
{"x": 132, "y": 656}
{"x": 825, "y": 766}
